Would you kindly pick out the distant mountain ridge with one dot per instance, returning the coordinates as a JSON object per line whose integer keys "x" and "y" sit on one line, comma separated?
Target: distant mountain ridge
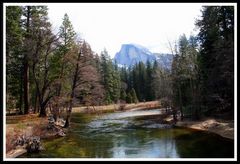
{"x": 130, "y": 54}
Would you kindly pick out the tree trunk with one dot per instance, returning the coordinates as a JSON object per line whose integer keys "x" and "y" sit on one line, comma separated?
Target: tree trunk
{"x": 26, "y": 86}
{"x": 197, "y": 99}
{"x": 60, "y": 84}
{"x": 193, "y": 99}
{"x": 67, "y": 123}
{"x": 35, "y": 103}
{"x": 74, "y": 82}
{"x": 37, "y": 106}
{"x": 20, "y": 105}
{"x": 174, "y": 112}
{"x": 26, "y": 69}
{"x": 55, "y": 114}
{"x": 180, "y": 100}
{"x": 42, "y": 111}
{"x": 21, "y": 95}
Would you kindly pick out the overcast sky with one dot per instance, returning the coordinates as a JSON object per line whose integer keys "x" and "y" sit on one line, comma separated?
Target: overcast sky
{"x": 111, "y": 25}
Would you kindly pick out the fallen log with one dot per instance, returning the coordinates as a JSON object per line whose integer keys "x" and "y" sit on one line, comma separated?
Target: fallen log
{"x": 16, "y": 152}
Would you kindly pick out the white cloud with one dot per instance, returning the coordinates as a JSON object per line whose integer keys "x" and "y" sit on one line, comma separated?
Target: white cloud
{"x": 109, "y": 25}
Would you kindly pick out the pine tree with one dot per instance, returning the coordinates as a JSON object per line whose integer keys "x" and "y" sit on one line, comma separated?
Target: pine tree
{"x": 124, "y": 79}
{"x": 42, "y": 41}
{"x": 67, "y": 34}
{"x": 28, "y": 12}
{"x": 129, "y": 98}
{"x": 185, "y": 76}
{"x": 14, "y": 59}
{"x": 134, "y": 96}
{"x": 67, "y": 37}
{"x": 161, "y": 82}
{"x": 111, "y": 78}
{"x": 217, "y": 58}
{"x": 149, "y": 81}
{"x": 116, "y": 84}
{"x": 123, "y": 95}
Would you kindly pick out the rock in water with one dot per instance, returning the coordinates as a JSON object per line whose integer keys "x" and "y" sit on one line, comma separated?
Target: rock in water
{"x": 50, "y": 122}
{"x": 33, "y": 144}
{"x": 60, "y": 122}
{"x": 61, "y": 133}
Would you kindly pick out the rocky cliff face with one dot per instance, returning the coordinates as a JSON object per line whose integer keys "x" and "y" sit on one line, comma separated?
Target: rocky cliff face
{"x": 131, "y": 54}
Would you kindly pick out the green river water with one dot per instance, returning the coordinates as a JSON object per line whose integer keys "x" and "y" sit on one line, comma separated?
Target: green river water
{"x": 132, "y": 135}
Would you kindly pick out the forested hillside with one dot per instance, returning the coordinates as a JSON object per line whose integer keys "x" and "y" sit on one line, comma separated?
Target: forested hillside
{"x": 59, "y": 71}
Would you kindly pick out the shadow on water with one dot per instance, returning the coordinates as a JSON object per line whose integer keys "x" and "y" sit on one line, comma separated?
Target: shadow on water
{"x": 204, "y": 145}
{"x": 132, "y": 135}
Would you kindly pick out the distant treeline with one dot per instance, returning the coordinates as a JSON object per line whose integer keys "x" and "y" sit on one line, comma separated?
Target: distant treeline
{"x": 60, "y": 70}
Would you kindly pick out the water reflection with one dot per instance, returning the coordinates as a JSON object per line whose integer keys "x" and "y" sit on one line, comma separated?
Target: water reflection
{"x": 136, "y": 146}
{"x": 132, "y": 135}
{"x": 203, "y": 145}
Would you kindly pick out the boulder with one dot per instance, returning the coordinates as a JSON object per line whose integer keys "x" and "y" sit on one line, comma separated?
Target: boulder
{"x": 21, "y": 140}
{"x": 33, "y": 144}
{"x": 60, "y": 122}
{"x": 50, "y": 122}
{"x": 61, "y": 133}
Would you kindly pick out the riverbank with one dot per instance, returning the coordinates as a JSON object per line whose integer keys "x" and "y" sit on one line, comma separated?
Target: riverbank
{"x": 116, "y": 107}
{"x": 32, "y": 125}
{"x": 25, "y": 126}
{"x": 224, "y": 128}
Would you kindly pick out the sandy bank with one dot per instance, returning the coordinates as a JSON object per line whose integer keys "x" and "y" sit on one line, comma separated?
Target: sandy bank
{"x": 224, "y": 128}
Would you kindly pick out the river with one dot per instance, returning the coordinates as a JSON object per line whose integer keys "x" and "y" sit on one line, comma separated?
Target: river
{"x": 132, "y": 134}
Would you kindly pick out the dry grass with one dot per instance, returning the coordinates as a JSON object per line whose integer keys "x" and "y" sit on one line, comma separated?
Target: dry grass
{"x": 114, "y": 107}
{"x": 143, "y": 105}
{"x": 26, "y": 125}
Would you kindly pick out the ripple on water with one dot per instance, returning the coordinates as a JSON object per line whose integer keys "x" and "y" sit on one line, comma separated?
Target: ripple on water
{"x": 159, "y": 126}
{"x": 121, "y": 120}
{"x": 121, "y": 135}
